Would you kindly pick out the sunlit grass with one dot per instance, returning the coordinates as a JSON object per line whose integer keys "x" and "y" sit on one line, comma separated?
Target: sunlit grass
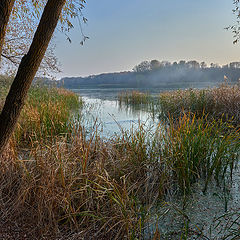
{"x": 107, "y": 188}
{"x": 45, "y": 115}
{"x": 196, "y": 148}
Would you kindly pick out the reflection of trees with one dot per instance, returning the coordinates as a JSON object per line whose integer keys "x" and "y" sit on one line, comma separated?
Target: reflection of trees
{"x": 152, "y": 107}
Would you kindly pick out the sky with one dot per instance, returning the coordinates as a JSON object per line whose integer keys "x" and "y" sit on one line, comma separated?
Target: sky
{"x": 123, "y": 33}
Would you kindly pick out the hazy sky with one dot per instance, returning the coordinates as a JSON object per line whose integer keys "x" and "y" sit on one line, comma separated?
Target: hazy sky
{"x": 125, "y": 32}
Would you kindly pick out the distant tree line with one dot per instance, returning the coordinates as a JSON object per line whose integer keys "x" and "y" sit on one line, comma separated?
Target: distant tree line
{"x": 162, "y": 74}
{"x": 156, "y": 65}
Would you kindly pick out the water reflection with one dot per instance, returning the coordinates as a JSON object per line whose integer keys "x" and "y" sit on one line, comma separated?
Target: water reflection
{"x": 113, "y": 118}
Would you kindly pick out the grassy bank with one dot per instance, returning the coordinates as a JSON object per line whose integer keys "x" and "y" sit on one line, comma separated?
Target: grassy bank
{"x": 46, "y": 114}
{"x": 75, "y": 184}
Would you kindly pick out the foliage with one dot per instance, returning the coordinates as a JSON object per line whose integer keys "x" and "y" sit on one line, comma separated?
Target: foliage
{"x": 235, "y": 28}
{"x": 153, "y": 65}
{"x": 21, "y": 28}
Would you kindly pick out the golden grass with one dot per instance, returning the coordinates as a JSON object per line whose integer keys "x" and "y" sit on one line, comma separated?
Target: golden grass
{"x": 46, "y": 114}
{"x": 216, "y": 102}
{"x": 107, "y": 189}
{"x": 93, "y": 186}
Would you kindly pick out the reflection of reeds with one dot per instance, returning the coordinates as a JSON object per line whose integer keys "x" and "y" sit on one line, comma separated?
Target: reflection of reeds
{"x": 136, "y": 101}
{"x": 216, "y": 102}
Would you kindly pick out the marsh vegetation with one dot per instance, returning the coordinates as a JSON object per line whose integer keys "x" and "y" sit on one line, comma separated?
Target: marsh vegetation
{"x": 62, "y": 179}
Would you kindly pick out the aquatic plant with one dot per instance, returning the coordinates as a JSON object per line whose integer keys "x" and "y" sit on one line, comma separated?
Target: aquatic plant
{"x": 196, "y": 148}
{"x": 97, "y": 187}
{"x": 134, "y": 97}
{"x": 70, "y": 180}
{"x": 218, "y": 102}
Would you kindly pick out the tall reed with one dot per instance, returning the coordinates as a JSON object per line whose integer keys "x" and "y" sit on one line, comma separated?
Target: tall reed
{"x": 46, "y": 114}
{"x": 73, "y": 181}
{"x": 196, "y": 148}
{"x": 134, "y": 97}
{"x": 218, "y": 102}
{"x": 102, "y": 189}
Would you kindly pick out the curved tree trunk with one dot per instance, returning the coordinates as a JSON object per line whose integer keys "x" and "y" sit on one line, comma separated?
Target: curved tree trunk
{"x": 5, "y": 11}
{"x": 27, "y": 70}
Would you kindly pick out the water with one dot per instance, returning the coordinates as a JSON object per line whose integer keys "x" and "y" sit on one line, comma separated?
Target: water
{"x": 102, "y": 108}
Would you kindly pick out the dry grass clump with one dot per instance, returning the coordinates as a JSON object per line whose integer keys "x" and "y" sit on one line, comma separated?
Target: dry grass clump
{"x": 216, "y": 102}
{"x": 102, "y": 189}
{"x": 71, "y": 181}
{"x": 227, "y": 102}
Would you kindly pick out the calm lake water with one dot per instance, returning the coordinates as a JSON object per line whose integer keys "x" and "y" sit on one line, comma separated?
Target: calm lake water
{"x": 201, "y": 209}
{"x": 102, "y": 105}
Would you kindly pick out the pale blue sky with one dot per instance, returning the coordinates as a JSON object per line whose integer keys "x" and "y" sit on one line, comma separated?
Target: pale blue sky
{"x": 125, "y": 32}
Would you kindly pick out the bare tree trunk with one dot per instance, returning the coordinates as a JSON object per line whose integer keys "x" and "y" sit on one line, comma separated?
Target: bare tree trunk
{"x": 27, "y": 70}
{"x": 5, "y": 11}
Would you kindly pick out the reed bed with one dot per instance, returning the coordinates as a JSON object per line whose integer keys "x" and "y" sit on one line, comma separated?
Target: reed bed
{"x": 218, "y": 102}
{"x": 69, "y": 182}
{"x": 195, "y": 148}
{"x": 100, "y": 189}
{"x": 136, "y": 101}
{"x": 46, "y": 114}
{"x": 134, "y": 97}
{"x": 106, "y": 189}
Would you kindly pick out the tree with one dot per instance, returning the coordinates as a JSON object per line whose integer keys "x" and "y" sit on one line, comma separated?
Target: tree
{"x": 154, "y": 64}
{"x": 24, "y": 19}
{"x": 18, "y": 38}
{"x": 142, "y": 67}
{"x": 203, "y": 65}
{"x": 182, "y": 63}
{"x": 235, "y": 28}
{"x": 6, "y": 7}
{"x": 28, "y": 66}
{"x": 234, "y": 65}
{"x": 214, "y": 65}
{"x": 193, "y": 64}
